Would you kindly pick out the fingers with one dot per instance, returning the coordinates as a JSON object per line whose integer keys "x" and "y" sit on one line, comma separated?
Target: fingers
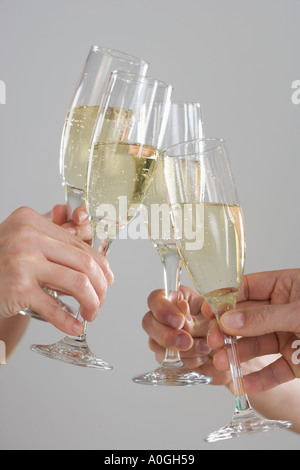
{"x": 280, "y": 371}
{"x": 192, "y": 363}
{"x": 199, "y": 349}
{"x": 215, "y": 337}
{"x": 207, "y": 311}
{"x": 58, "y": 214}
{"x": 171, "y": 325}
{"x": 80, "y": 225}
{"x": 164, "y": 311}
{"x": 46, "y": 255}
{"x": 165, "y": 321}
{"x": 80, "y": 215}
{"x": 267, "y": 285}
{"x": 186, "y": 313}
{"x": 249, "y": 348}
{"x": 256, "y": 321}
{"x": 84, "y": 231}
{"x": 80, "y": 253}
{"x": 271, "y": 376}
{"x": 76, "y": 284}
{"x": 50, "y": 310}
{"x": 166, "y": 336}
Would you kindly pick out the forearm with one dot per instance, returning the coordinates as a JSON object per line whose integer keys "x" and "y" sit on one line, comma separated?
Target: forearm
{"x": 11, "y": 331}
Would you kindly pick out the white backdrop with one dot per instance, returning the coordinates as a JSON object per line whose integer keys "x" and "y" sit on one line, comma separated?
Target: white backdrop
{"x": 239, "y": 59}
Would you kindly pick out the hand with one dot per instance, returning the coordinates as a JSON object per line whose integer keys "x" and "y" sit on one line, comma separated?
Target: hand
{"x": 183, "y": 327}
{"x": 267, "y": 316}
{"x": 79, "y": 225}
{"x": 36, "y": 253}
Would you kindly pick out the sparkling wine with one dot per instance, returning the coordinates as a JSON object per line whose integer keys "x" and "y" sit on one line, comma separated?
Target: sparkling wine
{"x": 118, "y": 174}
{"x": 156, "y": 215}
{"x": 211, "y": 244}
{"x": 76, "y": 139}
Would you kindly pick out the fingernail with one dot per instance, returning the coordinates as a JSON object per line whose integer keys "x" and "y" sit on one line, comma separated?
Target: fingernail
{"x": 175, "y": 321}
{"x": 182, "y": 341}
{"x": 82, "y": 216}
{"x": 208, "y": 335}
{"x": 233, "y": 320}
{"x": 202, "y": 347}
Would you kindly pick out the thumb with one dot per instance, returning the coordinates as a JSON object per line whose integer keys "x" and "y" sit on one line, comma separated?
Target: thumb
{"x": 261, "y": 320}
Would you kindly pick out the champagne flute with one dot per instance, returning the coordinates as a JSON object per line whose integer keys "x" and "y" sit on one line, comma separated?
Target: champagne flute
{"x": 83, "y": 113}
{"x": 209, "y": 228}
{"x": 184, "y": 123}
{"x": 78, "y": 128}
{"x": 120, "y": 172}
{"x": 117, "y": 168}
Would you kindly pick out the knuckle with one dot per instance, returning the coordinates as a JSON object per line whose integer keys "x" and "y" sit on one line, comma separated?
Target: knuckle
{"x": 103, "y": 262}
{"x": 256, "y": 345}
{"x": 89, "y": 264}
{"x": 19, "y": 269}
{"x": 81, "y": 281}
{"x": 259, "y": 318}
{"x": 160, "y": 309}
{"x": 23, "y": 238}
{"x": 152, "y": 298}
{"x": 23, "y": 214}
{"x": 146, "y": 321}
{"x": 296, "y": 317}
{"x": 153, "y": 346}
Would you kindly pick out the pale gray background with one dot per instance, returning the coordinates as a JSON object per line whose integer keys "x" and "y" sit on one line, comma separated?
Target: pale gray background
{"x": 239, "y": 59}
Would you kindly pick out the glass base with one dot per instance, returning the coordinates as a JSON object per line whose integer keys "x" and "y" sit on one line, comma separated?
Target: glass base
{"x": 244, "y": 424}
{"x": 170, "y": 375}
{"x": 73, "y": 351}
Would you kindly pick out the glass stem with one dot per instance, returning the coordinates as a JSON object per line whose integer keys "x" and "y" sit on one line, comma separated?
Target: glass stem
{"x": 172, "y": 269}
{"x": 97, "y": 244}
{"x": 241, "y": 398}
{"x": 74, "y": 198}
